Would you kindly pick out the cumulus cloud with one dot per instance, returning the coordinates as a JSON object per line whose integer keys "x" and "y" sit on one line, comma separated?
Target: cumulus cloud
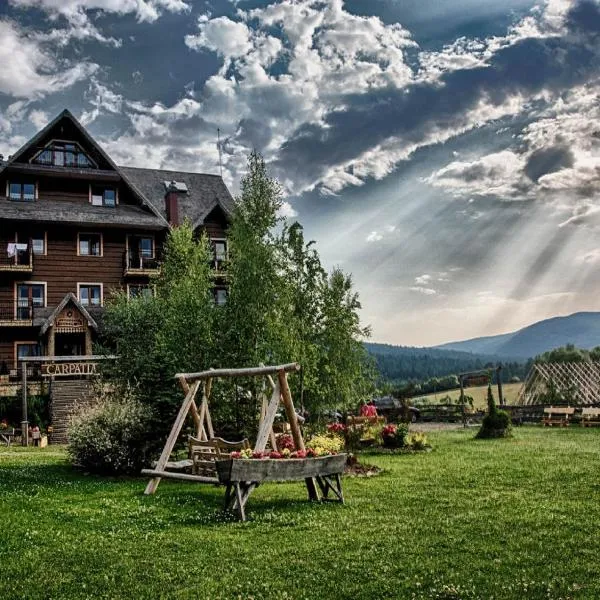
{"x": 423, "y": 279}
{"x": 287, "y": 211}
{"x": 31, "y": 71}
{"x": 423, "y": 290}
{"x": 76, "y": 13}
{"x": 374, "y": 236}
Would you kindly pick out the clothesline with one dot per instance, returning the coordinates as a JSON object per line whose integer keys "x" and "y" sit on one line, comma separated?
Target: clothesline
{"x": 13, "y": 248}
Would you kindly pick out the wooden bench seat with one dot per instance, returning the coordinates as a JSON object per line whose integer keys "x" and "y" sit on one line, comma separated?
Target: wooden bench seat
{"x": 590, "y": 417}
{"x": 204, "y": 453}
{"x": 557, "y": 415}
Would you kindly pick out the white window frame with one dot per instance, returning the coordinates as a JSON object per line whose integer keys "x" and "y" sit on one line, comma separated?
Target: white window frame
{"x": 84, "y": 233}
{"x": 81, "y": 284}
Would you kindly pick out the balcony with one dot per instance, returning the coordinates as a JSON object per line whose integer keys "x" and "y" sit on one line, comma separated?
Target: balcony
{"x": 16, "y": 261}
{"x": 136, "y": 265}
{"x": 20, "y": 315}
{"x": 219, "y": 268}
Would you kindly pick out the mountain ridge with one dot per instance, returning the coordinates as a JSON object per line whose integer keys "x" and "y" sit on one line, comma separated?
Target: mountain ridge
{"x": 582, "y": 329}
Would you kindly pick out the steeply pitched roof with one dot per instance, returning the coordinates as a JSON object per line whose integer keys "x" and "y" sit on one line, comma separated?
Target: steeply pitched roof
{"x": 205, "y": 192}
{"x": 41, "y": 135}
{"x": 69, "y": 298}
{"x": 55, "y": 211}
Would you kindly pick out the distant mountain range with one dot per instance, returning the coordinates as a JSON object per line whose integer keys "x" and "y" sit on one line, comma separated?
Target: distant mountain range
{"x": 580, "y": 329}
{"x": 406, "y": 363}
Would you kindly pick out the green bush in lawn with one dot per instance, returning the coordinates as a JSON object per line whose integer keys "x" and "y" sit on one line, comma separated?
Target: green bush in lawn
{"x": 496, "y": 424}
{"x": 109, "y": 437}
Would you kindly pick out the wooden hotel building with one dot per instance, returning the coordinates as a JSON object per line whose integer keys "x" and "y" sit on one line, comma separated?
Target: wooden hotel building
{"x": 74, "y": 226}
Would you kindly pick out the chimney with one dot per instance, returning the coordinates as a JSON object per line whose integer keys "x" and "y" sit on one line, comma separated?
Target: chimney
{"x": 172, "y": 204}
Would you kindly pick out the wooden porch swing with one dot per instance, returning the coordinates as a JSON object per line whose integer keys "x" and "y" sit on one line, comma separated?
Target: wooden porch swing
{"x": 240, "y": 481}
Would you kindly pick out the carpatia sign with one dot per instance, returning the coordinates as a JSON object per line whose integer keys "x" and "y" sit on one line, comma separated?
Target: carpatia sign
{"x": 68, "y": 369}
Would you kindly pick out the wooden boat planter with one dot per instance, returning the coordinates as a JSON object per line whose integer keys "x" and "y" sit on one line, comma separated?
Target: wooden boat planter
{"x": 241, "y": 476}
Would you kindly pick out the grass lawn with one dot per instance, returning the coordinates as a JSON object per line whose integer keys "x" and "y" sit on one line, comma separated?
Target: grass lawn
{"x": 473, "y": 519}
{"x": 510, "y": 392}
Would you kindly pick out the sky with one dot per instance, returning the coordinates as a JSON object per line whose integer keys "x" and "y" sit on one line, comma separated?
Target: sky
{"x": 446, "y": 153}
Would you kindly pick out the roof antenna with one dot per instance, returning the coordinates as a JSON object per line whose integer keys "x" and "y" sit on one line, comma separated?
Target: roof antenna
{"x": 219, "y": 147}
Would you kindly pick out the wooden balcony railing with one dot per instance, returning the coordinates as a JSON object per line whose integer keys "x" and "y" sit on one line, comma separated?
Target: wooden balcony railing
{"x": 20, "y": 261}
{"x": 16, "y": 315}
{"x": 140, "y": 265}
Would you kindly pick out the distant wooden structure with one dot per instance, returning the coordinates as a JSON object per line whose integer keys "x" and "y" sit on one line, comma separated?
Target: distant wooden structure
{"x": 578, "y": 382}
{"x": 243, "y": 476}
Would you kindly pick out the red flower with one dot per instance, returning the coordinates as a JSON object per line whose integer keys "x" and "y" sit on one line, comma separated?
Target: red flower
{"x": 285, "y": 440}
{"x": 389, "y": 430}
{"x": 336, "y": 428}
{"x": 275, "y": 454}
{"x": 235, "y": 454}
{"x": 258, "y": 454}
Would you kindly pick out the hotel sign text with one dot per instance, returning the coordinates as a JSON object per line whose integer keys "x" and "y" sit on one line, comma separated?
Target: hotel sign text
{"x": 68, "y": 369}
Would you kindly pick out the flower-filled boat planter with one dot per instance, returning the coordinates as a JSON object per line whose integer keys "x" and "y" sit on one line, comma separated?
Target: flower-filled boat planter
{"x": 242, "y": 475}
{"x": 277, "y": 469}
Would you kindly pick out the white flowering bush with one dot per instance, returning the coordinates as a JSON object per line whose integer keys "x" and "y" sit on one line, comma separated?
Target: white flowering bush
{"x": 110, "y": 436}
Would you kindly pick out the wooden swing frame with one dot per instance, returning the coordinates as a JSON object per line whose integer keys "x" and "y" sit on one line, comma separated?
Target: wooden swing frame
{"x": 275, "y": 376}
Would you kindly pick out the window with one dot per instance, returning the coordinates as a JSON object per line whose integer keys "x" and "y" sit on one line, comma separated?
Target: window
{"x": 63, "y": 154}
{"x": 219, "y": 250}
{"x": 140, "y": 252}
{"x": 29, "y": 296}
{"x": 140, "y": 291}
{"x": 90, "y": 294}
{"x": 24, "y": 192}
{"x": 38, "y": 244}
{"x": 89, "y": 244}
{"x": 27, "y": 349}
{"x": 220, "y": 296}
{"x": 103, "y": 196}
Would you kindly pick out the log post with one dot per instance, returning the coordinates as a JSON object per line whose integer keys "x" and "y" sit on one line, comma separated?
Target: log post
{"x": 172, "y": 439}
{"x": 288, "y": 403}
{"x": 499, "y": 382}
{"x": 24, "y": 418}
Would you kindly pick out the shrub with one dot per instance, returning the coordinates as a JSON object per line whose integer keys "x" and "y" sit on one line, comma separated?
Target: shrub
{"x": 496, "y": 424}
{"x": 418, "y": 441}
{"x": 395, "y": 436}
{"x": 109, "y": 437}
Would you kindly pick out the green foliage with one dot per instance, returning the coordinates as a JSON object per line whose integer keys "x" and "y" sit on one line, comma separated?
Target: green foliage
{"x": 496, "y": 424}
{"x": 405, "y": 366}
{"x": 38, "y": 410}
{"x": 568, "y": 353}
{"x": 281, "y": 307}
{"x": 110, "y": 436}
{"x": 418, "y": 441}
{"x": 157, "y": 337}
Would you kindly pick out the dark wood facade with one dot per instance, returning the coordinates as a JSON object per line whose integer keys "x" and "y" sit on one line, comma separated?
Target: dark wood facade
{"x": 74, "y": 228}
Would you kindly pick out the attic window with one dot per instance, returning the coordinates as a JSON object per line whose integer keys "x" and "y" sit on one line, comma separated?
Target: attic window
{"x": 179, "y": 186}
{"x": 63, "y": 154}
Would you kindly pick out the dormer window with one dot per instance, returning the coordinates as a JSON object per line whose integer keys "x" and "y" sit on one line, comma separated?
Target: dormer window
{"x": 63, "y": 154}
{"x": 102, "y": 196}
{"x": 23, "y": 192}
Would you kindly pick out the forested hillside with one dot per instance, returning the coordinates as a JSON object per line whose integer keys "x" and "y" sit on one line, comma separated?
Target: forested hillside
{"x": 402, "y": 364}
